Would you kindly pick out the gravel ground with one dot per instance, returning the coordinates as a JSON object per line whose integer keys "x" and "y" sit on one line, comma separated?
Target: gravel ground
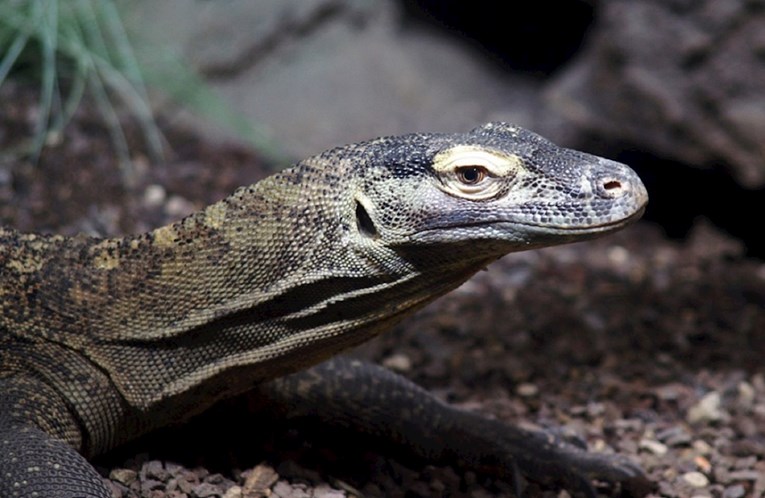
{"x": 639, "y": 345}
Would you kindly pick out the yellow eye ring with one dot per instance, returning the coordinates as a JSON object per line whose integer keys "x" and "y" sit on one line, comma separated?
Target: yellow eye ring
{"x": 475, "y": 173}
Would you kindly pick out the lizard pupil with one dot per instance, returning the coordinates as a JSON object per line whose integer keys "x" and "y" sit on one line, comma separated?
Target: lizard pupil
{"x": 470, "y": 175}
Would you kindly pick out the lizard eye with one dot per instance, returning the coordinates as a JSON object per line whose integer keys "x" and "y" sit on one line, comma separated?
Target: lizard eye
{"x": 475, "y": 173}
{"x": 471, "y": 175}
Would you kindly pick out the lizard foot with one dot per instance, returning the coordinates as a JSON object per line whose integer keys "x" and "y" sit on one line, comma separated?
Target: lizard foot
{"x": 552, "y": 460}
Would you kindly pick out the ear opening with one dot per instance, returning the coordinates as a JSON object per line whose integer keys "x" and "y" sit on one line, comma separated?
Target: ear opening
{"x": 364, "y": 222}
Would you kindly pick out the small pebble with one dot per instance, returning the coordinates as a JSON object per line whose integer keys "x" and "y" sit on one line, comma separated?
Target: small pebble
{"x": 154, "y": 195}
{"x": 149, "y": 485}
{"x": 669, "y": 392}
{"x": 618, "y": 255}
{"x": 527, "y": 390}
{"x": 654, "y": 447}
{"x": 123, "y": 476}
{"x": 155, "y": 470}
{"x": 746, "y": 395}
{"x": 184, "y": 485}
{"x": 233, "y": 492}
{"x": 398, "y": 362}
{"x": 736, "y": 491}
{"x": 215, "y": 478}
{"x": 284, "y": 490}
{"x": 701, "y": 447}
{"x": 259, "y": 481}
{"x": 324, "y": 491}
{"x": 207, "y": 490}
{"x": 706, "y": 410}
{"x": 745, "y": 475}
{"x": 702, "y": 463}
{"x": 696, "y": 479}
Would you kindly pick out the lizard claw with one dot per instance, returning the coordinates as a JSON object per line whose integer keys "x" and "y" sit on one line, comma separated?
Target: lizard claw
{"x": 550, "y": 459}
{"x": 579, "y": 468}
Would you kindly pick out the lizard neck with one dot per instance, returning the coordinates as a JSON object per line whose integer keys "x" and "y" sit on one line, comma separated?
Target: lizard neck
{"x": 260, "y": 284}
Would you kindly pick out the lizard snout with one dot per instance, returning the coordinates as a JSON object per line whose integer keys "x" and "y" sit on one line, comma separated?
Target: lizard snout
{"x": 614, "y": 180}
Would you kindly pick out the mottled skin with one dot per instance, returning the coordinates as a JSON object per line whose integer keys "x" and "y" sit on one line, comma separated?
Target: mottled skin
{"x": 102, "y": 340}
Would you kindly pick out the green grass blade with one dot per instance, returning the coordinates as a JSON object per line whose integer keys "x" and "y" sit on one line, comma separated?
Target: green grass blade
{"x": 123, "y": 79}
{"x": 19, "y": 27}
{"x": 78, "y": 46}
{"x": 70, "y": 41}
{"x": 46, "y": 15}
{"x": 183, "y": 86}
{"x": 127, "y": 63}
{"x": 12, "y": 54}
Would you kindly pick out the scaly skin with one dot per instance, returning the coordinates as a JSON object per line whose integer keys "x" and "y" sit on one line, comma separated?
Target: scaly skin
{"x": 102, "y": 340}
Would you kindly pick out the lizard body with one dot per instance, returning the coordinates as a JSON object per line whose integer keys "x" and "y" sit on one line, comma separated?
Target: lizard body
{"x": 102, "y": 340}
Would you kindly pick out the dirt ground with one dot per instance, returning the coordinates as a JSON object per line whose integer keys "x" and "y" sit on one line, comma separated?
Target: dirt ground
{"x": 640, "y": 345}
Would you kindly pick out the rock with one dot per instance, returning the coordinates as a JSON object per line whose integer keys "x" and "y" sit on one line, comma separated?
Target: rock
{"x": 736, "y": 491}
{"x": 654, "y": 447}
{"x": 326, "y": 72}
{"x": 216, "y": 478}
{"x": 149, "y": 485}
{"x": 707, "y": 409}
{"x": 184, "y": 484}
{"x": 123, "y": 476}
{"x": 233, "y": 492}
{"x": 745, "y": 475}
{"x": 674, "y": 436}
{"x": 154, "y": 195}
{"x": 695, "y": 479}
{"x": 398, "y": 362}
{"x": 683, "y": 81}
{"x": 701, "y": 447}
{"x": 207, "y": 490}
{"x": 259, "y": 481}
{"x": 325, "y": 491}
{"x": 527, "y": 390}
{"x": 283, "y": 489}
{"x": 746, "y": 395}
{"x": 117, "y": 490}
{"x": 154, "y": 469}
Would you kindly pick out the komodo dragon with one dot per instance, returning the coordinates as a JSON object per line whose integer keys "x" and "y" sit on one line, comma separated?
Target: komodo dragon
{"x": 102, "y": 340}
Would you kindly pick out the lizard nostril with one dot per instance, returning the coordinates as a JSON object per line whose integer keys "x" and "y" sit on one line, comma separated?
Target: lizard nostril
{"x": 611, "y": 187}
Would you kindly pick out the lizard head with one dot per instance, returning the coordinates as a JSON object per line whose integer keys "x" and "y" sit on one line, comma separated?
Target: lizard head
{"x": 498, "y": 188}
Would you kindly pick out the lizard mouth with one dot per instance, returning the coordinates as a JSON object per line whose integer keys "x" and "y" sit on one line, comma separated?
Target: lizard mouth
{"x": 605, "y": 226}
{"x": 581, "y": 231}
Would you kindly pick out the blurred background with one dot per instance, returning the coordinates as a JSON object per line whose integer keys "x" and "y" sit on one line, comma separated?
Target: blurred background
{"x": 117, "y": 117}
